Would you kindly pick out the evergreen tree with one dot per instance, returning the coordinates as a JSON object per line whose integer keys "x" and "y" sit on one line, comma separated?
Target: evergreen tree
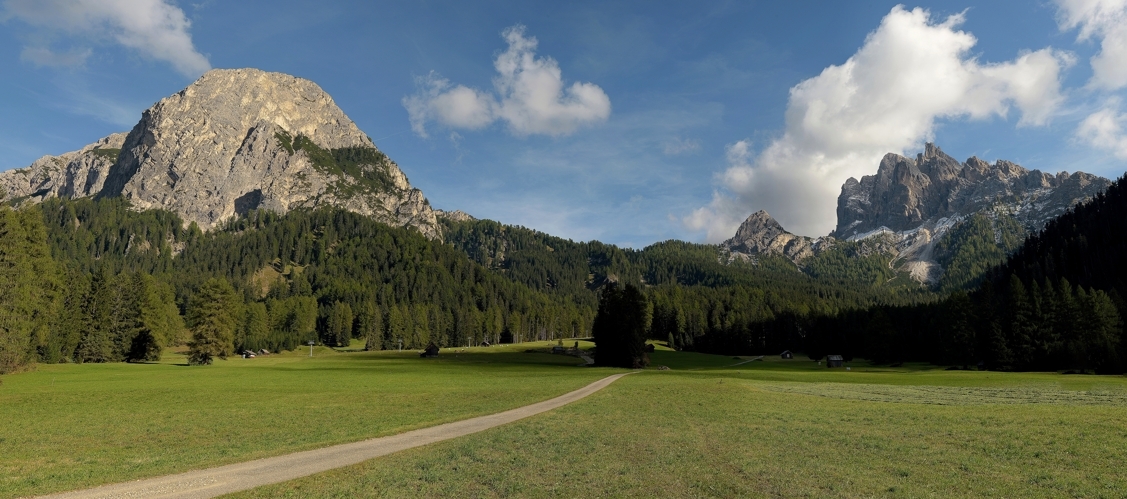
{"x": 29, "y": 288}
{"x": 620, "y": 328}
{"x": 256, "y": 328}
{"x": 96, "y": 344}
{"x": 213, "y": 315}
{"x": 369, "y": 325}
{"x": 340, "y": 325}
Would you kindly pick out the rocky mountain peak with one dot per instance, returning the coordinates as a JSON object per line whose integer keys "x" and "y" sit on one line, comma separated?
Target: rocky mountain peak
{"x": 242, "y": 139}
{"x": 761, "y": 234}
{"x": 906, "y": 208}
{"x": 907, "y": 193}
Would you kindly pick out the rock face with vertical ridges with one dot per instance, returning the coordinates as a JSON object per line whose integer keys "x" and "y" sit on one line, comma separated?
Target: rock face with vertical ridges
{"x": 243, "y": 139}
{"x": 908, "y": 193}
{"x": 74, "y": 174}
{"x": 909, "y": 205}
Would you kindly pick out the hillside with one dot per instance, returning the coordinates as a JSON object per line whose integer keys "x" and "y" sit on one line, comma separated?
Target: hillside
{"x": 1055, "y": 303}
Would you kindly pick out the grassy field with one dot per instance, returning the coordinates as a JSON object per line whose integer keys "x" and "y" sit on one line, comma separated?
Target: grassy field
{"x": 780, "y": 429}
{"x": 705, "y": 427}
{"x": 68, "y": 426}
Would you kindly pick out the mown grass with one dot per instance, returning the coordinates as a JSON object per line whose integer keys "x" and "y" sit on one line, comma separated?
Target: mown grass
{"x": 779, "y": 429}
{"x": 66, "y": 427}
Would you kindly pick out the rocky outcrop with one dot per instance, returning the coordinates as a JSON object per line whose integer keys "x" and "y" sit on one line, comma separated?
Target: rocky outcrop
{"x": 456, "y": 215}
{"x": 905, "y": 209}
{"x": 242, "y": 139}
{"x": 74, "y": 174}
{"x": 761, "y": 234}
{"x": 909, "y": 193}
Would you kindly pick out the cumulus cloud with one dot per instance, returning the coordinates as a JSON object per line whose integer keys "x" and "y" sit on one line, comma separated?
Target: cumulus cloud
{"x": 529, "y": 96}
{"x": 1105, "y": 20}
{"x": 154, "y": 28}
{"x": 1105, "y": 129}
{"x": 910, "y": 72}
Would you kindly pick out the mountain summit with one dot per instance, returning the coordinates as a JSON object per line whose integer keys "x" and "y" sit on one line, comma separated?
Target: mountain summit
{"x": 236, "y": 140}
{"x": 907, "y": 193}
{"x": 762, "y": 234}
{"x": 912, "y": 209}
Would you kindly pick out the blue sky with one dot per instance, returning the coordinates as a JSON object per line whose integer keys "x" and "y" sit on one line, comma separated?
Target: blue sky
{"x": 627, "y": 122}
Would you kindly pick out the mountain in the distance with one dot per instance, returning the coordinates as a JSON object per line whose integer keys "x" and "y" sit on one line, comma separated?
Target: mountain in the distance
{"x": 236, "y": 140}
{"x": 909, "y": 208}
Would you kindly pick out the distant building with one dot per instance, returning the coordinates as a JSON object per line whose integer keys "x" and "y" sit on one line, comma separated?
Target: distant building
{"x": 834, "y": 361}
{"x": 787, "y": 354}
{"x": 430, "y": 351}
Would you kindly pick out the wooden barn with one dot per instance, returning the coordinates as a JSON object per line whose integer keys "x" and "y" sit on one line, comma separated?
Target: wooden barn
{"x": 834, "y": 361}
{"x": 787, "y": 354}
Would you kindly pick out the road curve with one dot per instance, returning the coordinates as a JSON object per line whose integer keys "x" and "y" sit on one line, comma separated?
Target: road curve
{"x": 221, "y": 480}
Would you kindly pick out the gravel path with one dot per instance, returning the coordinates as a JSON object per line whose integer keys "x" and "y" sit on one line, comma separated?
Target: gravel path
{"x": 241, "y": 476}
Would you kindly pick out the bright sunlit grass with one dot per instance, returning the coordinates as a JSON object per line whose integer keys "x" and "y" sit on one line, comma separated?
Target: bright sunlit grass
{"x": 709, "y": 426}
{"x": 73, "y": 426}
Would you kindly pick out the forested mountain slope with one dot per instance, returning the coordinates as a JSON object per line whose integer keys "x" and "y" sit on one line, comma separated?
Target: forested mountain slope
{"x": 1056, "y": 303}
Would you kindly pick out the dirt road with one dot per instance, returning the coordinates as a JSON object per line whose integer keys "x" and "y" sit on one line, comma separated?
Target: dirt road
{"x": 241, "y": 476}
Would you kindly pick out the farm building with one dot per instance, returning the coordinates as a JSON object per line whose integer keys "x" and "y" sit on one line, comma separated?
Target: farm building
{"x": 834, "y": 361}
{"x": 431, "y": 351}
{"x": 787, "y": 354}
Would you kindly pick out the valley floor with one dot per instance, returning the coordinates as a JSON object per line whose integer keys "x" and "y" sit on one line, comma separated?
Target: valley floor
{"x": 703, "y": 428}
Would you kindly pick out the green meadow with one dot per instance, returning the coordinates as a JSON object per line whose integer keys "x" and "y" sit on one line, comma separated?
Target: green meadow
{"x": 68, "y": 426}
{"x": 705, "y": 427}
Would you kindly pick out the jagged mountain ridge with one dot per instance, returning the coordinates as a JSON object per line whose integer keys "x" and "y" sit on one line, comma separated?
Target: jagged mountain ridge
{"x": 907, "y": 193}
{"x": 907, "y": 208}
{"x": 762, "y": 234}
{"x": 78, "y": 173}
{"x": 235, "y": 140}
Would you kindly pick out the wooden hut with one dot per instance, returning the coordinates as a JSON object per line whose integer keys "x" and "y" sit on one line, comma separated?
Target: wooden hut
{"x": 430, "y": 351}
{"x": 787, "y": 354}
{"x": 834, "y": 361}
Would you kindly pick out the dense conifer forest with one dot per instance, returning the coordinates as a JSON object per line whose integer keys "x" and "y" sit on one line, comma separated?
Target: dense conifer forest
{"x": 1055, "y": 303}
{"x": 94, "y": 281}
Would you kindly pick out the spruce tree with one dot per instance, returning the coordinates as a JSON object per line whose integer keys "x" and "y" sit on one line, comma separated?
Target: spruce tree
{"x": 256, "y": 327}
{"x": 213, "y": 314}
{"x": 29, "y": 287}
{"x": 340, "y": 324}
{"x": 620, "y": 328}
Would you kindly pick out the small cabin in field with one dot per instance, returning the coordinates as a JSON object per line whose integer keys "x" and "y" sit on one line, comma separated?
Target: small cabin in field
{"x": 430, "y": 351}
{"x": 834, "y": 361}
{"x": 787, "y": 354}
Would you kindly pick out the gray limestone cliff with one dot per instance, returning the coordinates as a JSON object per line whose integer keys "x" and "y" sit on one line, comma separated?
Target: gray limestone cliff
{"x": 74, "y": 174}
{"x": 909, "y": 205}
{"x": 242, "y": 139}
{"x": 907, "y": 193}
{"x": 761, "y": 234}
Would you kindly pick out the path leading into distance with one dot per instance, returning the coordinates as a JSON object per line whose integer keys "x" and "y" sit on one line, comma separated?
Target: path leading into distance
{"x": 241, "y": 476}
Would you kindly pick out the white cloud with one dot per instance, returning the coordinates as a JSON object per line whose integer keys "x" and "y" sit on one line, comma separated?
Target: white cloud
{"x": 1104, "y": 129}
{"x": 1107, "y": 21}
{"x": 887, "y": 97}
{"x": 530, "y": 96}
{"x": 154, "y": 28}
{"x": 456, "y": 107}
